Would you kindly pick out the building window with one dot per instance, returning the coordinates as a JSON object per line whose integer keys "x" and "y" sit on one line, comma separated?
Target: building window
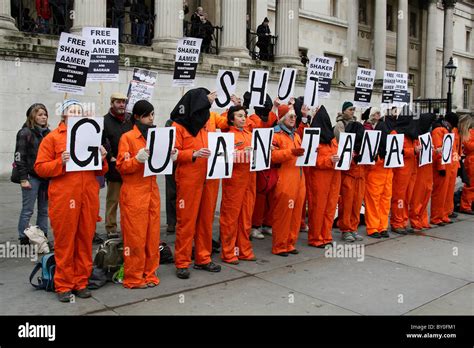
{"x": 362, "y": 63}
{"x": 413, "y": 25}
{"x": 466, "y": 94}
{"x": 363, "y": 11}
{"x": 390, "y": 17}
{"x": 468, "y": 40}
{"x": 333, "y": 9}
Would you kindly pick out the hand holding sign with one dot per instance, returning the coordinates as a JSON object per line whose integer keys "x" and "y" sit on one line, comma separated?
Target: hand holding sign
{"x": 202, "y": 153}
{"x": 65, "y": 156}
{"x": 143, "y": 155}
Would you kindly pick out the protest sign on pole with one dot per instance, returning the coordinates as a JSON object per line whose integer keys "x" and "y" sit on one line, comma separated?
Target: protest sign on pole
{"x": 187, "y": 59}
{"x": 364, "y": 85}
{"x": 141, "y": 87}
{"x": 72, "y": 64}
{"x": 104, "y": 62}
{"x": 83, "y": 141}
{"x": 323, "y": 69}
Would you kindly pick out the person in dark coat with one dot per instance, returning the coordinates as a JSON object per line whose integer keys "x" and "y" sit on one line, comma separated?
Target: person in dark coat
{"x": 205, "y": 31}
{"x": 33, "y": 188}
{"x": 264, "y": 39}
{"x": 116, "y": 123}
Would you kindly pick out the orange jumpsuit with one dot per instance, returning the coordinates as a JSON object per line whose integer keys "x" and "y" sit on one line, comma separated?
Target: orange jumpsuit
{"x": 196, "y": 197}
{"x": 439, "y": 196}
{"x": 378, "y": 192}
{"x": 420, "y": 198}
{"x": 323, "y": 196}
{"x": 403, "y": 183}
{"x": 467, "y": 196}
{"x": 352, "y": 194}
{"x": 73, "y": 210}
{"x": 261, "y": 213}
{"x": 139, "y": 214}
{"x": 289, "y": 192}
{"x": 452, "y": 172}
{"x": 238, "y": 200}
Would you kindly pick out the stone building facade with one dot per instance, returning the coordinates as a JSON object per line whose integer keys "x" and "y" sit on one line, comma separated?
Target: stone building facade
{"x": 413, "y": 36}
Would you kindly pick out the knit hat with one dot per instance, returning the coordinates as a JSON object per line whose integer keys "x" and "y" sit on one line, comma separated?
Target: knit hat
{"x": 346, "y": 105}
{"x": 68, "y": 103}
{"x": 142, "y": 108}
{"x": 282, "y": 112}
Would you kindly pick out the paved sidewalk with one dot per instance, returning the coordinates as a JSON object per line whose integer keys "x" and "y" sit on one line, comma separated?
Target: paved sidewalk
{"x": 426, "y": 274}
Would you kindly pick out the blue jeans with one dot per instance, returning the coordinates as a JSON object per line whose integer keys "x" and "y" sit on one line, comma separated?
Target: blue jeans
{"x": 139, "y": 33}
{"x": 38, "y": 191}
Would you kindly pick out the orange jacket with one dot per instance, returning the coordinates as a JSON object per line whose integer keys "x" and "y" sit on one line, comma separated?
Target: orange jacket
{"x": 437, "y": 136}
{"x": 468, "y": 150}
{"x": 325, "y": 153}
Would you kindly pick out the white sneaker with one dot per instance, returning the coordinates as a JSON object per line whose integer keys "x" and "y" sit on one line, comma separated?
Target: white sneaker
{"x": 255, "y": 233}
{"x": 267, "y": 230}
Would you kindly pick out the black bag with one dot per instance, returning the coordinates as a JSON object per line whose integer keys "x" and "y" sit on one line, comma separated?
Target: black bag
{"x": 166, "y": 256}
{"x": 15, "y": 178}
{"x": 97, "y": 279}
{"x": 109, "y": 256}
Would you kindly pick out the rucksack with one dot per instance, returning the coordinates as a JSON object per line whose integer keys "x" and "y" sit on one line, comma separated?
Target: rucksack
{"x": 267, "y": 180}
{"x": 47, "y": 264}
{"x": 109, "y": 256}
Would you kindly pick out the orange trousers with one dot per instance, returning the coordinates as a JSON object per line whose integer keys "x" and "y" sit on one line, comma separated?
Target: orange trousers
{"x": 467, "y": 196}
{"x": 238, "y": 201}
{"x": 421, "y": 196}
{"x": 403, "y": 183}
{"x": 378, "y": 192}
{"x": 440, "y": 196}
{"x": 195, "y": 207}
{"x": 352, "y": 195}
{"x": 324, "y": 194}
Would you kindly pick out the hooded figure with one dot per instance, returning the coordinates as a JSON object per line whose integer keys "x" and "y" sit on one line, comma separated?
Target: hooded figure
{"x": 378, "y": 186}
{"x": 418, "y": 210}
{"x": 352, "y": 189}
{"x": 139, "y": 203}
{"x": 195, "y": 195}
{"x": 262, "y": 112}
{"x": 404, "y": 178}
{"x": 444, "y": 175}
{"x": 73, "y": 208}
{"x": 325, "y": 183}
{"x": 289, "y": 192}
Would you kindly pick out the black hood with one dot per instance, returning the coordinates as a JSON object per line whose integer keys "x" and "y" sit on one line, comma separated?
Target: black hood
{"x": 192, "y": 111}
{"x": 260, "y": 111}
{"x": 323, "y": 121}
{"x": 358, "y": 129}
{"x": 407, "y": 126}
{"x": 297, "y": 106}
{"x": 425, "y": 122}
{"x": 385, "y": 130}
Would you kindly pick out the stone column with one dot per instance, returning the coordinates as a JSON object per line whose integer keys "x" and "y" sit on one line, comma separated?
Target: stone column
{"x": 168, "y": 24}
{"x": 350, "y": 69}
{"x": 287, "y": 29}
{"x": 6, "y": 20}
{"x": 88, "y": 14}
{"x": 447, "y": 41}
{"x": 431, "y": 39}
{"x": 233, "y": 20}
{"x": 380, "y": 37}
{"x": 402, "y": 36}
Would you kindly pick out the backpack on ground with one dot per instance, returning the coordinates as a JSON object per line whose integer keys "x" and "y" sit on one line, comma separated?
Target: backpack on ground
{"x": 109, "y": 256}
{"x": 166, "y": 256}
{"x": 47, "y": 264}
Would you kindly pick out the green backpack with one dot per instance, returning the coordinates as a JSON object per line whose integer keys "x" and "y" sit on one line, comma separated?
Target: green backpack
{"x": 109, "y": 256}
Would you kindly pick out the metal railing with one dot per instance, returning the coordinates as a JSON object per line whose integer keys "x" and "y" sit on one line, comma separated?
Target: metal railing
{"x": 252, "y": 40}
{"x": 430, "y": 105}
{"x": 58, "y": 19}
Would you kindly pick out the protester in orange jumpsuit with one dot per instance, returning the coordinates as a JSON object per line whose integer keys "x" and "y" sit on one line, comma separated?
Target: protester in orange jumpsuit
{"x": 289, "y": 192}
{"x": 73, "y": 208}
{"x": 264, "y": 117}
{"x": 404, "y": 178}
{"x": 238, "y": 194}
{"x": 378, "y": 185}
{"x": 418, "y": 210}
{"x": 443, "y": 173}
{"x": 352, "y": 189}
{"x": 196, "y": 196}
{"x": 139, "y": 202}
{"x": 325, "y": 184}
{"x": 467, "y": 196}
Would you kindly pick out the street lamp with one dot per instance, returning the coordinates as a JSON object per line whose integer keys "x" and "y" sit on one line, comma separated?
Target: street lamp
{"x": 450, "y": 70}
